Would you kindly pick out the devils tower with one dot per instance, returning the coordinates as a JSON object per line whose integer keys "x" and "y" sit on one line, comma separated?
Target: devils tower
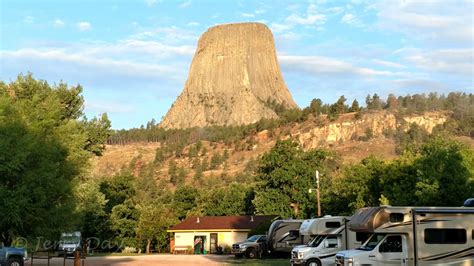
{"x": 233, "y": 76}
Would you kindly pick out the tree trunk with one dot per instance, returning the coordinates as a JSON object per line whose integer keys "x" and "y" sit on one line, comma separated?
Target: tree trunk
{"x": 148, "y": 244}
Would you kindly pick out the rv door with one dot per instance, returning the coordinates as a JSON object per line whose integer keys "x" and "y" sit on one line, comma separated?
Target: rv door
{"x": 392, "y": 251}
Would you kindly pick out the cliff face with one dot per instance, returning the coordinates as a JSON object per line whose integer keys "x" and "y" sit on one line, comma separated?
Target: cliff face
{"x": 234, "y": 73}
{"x": 376, "y": 124}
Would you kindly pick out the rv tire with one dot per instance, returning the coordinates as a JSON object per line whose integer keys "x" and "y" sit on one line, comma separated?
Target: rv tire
{"x": 251, "y": 253}
{"x": 313, "y": 262}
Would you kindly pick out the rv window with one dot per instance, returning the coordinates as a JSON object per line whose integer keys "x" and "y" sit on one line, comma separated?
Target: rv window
{"x": 294, "y": 233}
{"x": 333, "y": 224}
{"x": 361, "y": 237}
{"x": 472, "y": 234}
{"x": 396, "y": 217}
{"x": 445, "y": 236}
{"x": 331, "y": 242}
{"x": 391, "y": 244}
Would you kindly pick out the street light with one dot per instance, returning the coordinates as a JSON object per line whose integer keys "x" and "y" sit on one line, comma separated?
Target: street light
{"x": 317, "y": 193}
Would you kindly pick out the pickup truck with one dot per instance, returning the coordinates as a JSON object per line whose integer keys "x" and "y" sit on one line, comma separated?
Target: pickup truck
{"x": 251, "y": 248}
{"x": 11, "y": 256}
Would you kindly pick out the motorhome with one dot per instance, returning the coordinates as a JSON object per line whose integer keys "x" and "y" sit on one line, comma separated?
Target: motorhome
{"x": 438, "y": 236}
{"x": 328, "y": 236}
{"x": 283, "y": 235}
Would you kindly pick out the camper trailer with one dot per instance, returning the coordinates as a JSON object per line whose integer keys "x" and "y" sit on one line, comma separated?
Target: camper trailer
{"x": 438, "y": 236}
{"x": 283, "y": 235}
{"x": 329, "y": 235}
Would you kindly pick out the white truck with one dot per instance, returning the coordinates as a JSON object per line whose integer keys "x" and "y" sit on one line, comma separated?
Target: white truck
{"x": 69, "y": 243}
{"x": 439, "y": 236}
{"x": 328, "y": 236}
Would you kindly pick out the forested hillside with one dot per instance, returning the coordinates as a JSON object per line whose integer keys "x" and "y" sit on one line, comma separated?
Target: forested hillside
{"x": 48, "y": 149}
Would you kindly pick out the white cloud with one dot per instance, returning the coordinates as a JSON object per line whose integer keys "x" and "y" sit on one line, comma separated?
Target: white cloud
{"x": 151, "y": 2}
{"x": 28, "y": 19}
{"x": 279, "y": 27}
{"x": 193, "y": 24}
{"x": 57, "y": 23}
{"x": 307, "y": 20}
{"x": 185, "y": 4}
{"x": 168, "y": 35}
{"x": 449, "y": 61}
{"x": 348, "y": 18}
{"x": 440, "y": 21}
{"x": 107, "y": 107}
{"x": 312, "y": 17}
{"x": 387, "y": 63}
{"x": 327, "y": 65}
{"x": 84, "y": 26}
{"x": 247, "y": 15}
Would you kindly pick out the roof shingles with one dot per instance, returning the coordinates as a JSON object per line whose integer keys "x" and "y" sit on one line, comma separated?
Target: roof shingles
{"x": 221, "y": 222}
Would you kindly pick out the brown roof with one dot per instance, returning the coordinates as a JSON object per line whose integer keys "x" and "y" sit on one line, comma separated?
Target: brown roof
{"x": 222, "y": 223}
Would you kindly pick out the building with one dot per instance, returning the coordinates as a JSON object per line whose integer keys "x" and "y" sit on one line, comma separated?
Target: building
{"x": 203, "y": 235}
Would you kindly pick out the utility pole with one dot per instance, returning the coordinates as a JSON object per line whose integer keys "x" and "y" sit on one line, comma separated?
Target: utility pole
{"x": 317, "y": 193}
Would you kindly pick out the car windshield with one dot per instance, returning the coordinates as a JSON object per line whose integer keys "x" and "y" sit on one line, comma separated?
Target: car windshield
{"x": 253, "y": 238}
{"x": 372, "y": 242}
{"x": 316, "y": 241}
{"x": 70, "y": 239}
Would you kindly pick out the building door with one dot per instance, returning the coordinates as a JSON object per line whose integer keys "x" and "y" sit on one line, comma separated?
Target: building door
{"x": 214, "y": 243}
{"x": 199, "y": 244}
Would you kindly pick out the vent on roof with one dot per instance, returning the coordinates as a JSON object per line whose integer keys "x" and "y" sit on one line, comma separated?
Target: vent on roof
{"x": 197, "y": 221}
{"x": 251, "y": 218}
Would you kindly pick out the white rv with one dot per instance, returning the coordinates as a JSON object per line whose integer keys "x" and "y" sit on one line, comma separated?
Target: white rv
{"x": 328, "y": 236}
{"x": 439, "y": 236}
{"x": 283, "y": 235}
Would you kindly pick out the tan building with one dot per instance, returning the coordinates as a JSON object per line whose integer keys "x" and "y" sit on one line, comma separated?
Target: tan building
{"x": 203, "y": 235}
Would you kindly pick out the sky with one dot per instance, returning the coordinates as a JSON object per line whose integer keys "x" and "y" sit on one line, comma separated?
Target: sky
{"x": 132, "y": 57}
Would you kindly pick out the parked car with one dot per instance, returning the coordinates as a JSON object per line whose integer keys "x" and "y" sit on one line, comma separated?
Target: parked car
{"x": 251, "y": 248}
{"x": 11, "y": 256}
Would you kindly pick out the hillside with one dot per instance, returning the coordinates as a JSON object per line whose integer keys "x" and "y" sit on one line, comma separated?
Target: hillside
{"x": 352, "y": 138}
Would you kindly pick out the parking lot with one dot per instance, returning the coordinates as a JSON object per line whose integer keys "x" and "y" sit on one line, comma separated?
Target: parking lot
{"x": 163, "y": 259}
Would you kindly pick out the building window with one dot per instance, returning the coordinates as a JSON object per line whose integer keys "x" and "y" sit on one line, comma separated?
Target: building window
{"x": 445, "y": 236}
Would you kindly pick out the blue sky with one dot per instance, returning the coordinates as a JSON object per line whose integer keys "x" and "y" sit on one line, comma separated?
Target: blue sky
{"x": 132, "y": 57}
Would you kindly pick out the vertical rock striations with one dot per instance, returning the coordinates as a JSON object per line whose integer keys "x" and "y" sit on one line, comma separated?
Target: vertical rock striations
{"x": 233, "y": 75}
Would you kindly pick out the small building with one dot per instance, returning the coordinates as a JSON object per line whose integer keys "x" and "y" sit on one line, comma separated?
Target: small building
{"x": 206, "y": 234}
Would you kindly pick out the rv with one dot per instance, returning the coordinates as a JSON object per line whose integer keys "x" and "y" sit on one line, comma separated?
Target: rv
{"x": 439, "y": 236}
{"x": 329, "y": 235}
{"x": 283, "y": 235}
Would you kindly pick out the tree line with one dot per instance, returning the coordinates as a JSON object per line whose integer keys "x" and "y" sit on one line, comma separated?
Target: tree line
{"x": 461, "y": 106}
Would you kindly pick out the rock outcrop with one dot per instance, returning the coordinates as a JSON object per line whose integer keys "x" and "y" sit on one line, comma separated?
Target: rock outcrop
{"x": 233, "y": 76}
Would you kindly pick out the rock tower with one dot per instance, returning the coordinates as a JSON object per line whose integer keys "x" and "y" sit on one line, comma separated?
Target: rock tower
{"x": 233, "y": 76}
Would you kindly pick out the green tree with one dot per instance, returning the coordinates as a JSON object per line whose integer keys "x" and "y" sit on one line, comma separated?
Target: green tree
{"x": 154, "y": 219}
{"x": 355, "y": 106}
{"x": 284, "y": 177}
{"x": 45, "y": 146}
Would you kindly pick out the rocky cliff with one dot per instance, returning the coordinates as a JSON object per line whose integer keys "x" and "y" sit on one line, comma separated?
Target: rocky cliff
{"x": 375, "y": 124}
{"x": 233, "y": 76}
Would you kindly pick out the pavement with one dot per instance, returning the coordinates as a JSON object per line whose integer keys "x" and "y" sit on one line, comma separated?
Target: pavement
{"x": 159, "y": 259}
